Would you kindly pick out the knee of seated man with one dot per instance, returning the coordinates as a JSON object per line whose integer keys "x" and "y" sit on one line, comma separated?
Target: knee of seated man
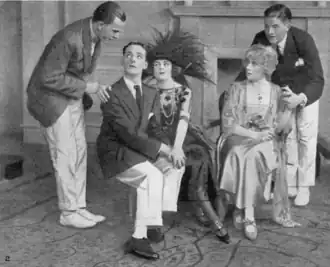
{"x": 174, "y": 171}
{"x": 153, "y": 172}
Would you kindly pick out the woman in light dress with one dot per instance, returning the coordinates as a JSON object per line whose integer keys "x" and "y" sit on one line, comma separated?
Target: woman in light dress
{"x": 251, "y": 150}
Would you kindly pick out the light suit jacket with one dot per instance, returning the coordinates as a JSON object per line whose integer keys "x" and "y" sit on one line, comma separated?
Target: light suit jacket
{"x": 61, "y": 72}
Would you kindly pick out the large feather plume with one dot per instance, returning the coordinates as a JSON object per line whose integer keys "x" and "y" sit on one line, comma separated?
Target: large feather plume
{"x": 183, "y": 49}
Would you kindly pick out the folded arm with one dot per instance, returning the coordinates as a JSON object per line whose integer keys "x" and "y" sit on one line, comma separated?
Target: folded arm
{"x": 54, "y": 74}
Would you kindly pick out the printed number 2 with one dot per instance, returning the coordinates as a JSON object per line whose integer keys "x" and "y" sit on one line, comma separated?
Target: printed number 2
{"x": 7, "y": 258}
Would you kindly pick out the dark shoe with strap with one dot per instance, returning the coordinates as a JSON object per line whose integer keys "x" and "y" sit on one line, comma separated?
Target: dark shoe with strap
{"x": 201, "y": 217}
{"x": 221, "y": 232}
{"x": 155, "y": 235}
{"x": 141, "y": 248}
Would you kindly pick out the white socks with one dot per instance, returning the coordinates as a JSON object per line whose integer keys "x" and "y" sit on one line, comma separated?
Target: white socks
{"x": 249, "y": 213}
{"x": 140, "y": 231}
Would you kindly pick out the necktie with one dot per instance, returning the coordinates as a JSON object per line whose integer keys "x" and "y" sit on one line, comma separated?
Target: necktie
{"x": 279, "y": 54}
{"x": 138, "y": 96}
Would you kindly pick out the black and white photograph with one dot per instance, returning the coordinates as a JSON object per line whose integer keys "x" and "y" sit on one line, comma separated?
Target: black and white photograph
{"x": 164, "y": 133}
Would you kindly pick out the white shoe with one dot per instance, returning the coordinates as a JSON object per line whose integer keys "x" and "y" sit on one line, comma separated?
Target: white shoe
{"x": 250, "y": 229}
{"x": 90, "y": 216}
{"x": 302, "y": 198}
{"x": 292, "y": 191}
{"x": 75, "y": 220}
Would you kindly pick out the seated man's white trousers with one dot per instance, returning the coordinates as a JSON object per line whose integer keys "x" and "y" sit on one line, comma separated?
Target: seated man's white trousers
{"x": 158, "y": 191}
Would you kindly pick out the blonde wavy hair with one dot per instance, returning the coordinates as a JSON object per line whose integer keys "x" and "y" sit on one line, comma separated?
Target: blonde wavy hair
{"x": 264, "y": 56}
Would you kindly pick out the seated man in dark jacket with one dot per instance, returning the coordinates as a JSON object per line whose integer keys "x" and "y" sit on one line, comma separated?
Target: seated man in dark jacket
{"x": 127, "y": 153}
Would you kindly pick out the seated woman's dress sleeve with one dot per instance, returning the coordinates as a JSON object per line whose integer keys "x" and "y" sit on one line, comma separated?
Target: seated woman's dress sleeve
{"x": 186, "y": 104}
{"x": 229, "y": 115}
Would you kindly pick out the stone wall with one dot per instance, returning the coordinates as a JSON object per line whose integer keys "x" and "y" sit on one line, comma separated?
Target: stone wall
{"x": 10, "y": 67}
{"x": 230, "y": 35}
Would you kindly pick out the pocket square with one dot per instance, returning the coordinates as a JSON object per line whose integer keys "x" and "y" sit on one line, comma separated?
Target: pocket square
{"x": 150, "y": 115}
{"x": 299, "y": 62}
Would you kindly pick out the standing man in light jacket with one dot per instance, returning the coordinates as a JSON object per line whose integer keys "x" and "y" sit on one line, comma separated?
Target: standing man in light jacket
{"x": 57, "y": 86}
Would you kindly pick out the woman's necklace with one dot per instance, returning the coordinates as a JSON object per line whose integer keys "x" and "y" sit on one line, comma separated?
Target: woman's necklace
{"x": 168, "y": 99}
{"x": 260, "y": 93}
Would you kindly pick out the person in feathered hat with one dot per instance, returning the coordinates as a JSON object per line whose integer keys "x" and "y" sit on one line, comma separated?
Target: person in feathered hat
{"x": 171, "y": 56}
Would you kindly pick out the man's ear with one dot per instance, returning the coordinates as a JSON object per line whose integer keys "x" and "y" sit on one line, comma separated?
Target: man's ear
{"x": 99, "y": 25}
{"x": 287, "y": 24}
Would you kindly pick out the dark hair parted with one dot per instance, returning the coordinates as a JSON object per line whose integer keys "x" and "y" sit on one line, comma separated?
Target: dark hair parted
{"x": 279, "y": 11}
{"x": 107, "y": 12}
{"x": 134, "y": 43}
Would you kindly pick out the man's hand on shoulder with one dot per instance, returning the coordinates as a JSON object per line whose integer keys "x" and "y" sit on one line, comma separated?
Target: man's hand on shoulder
{"x": 103, "y": 93}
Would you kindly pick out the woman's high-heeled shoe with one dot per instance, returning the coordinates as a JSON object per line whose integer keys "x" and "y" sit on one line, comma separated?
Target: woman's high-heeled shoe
{"x": 287, "y": 222}
{"x": 201, "y": 217}
{"x": 222, "y": 233}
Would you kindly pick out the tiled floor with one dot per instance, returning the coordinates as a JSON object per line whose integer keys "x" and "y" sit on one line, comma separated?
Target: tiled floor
{"x": 30, "y": 235}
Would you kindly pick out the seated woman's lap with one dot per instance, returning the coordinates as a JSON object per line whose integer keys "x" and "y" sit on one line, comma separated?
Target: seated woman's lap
{"x": 246, "y": 170}
{"x": 263, "y": 152}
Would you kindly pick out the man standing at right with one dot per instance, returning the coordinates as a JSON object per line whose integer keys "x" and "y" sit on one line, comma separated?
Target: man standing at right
{"x": 300, "y": 75}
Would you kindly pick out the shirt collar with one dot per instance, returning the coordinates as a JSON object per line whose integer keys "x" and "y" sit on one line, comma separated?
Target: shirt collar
{"x": 93, "y": 35}
{"x": 131, "y": 84}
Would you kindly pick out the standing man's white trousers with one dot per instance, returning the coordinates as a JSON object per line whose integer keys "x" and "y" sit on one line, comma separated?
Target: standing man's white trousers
{"x": 302, "y": 144}
{"x": 68, "y": 150}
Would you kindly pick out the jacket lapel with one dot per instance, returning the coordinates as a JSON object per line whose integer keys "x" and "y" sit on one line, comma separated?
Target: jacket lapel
{"x": 148, "y": 97}
{"x": 290, "y": 46}
{"x": 87, "y": 41}
{"x": 97, "y": 52}
{"x": 129, "y": 100}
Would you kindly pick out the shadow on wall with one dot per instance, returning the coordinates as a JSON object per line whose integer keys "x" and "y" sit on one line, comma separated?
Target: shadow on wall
{"x": 11, "y": 93}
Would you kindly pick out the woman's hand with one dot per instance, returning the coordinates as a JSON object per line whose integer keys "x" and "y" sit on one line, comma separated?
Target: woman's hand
{"x": 177, "y": 157}
{"x": 265, "y": 135}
